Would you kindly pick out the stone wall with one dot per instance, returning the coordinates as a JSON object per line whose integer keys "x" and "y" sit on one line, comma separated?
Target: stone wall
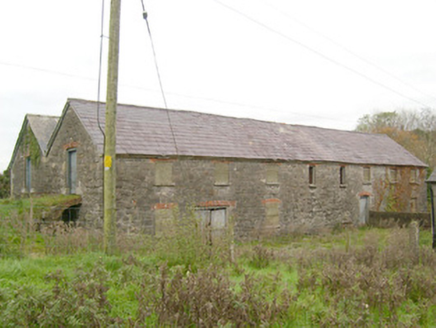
{"x": 28, "y": 148}
{"x": 259, "y": 201}
{"x": 392, "y": 219}
{"x": 72, "y": 135}
{"x": 262, "y": 197}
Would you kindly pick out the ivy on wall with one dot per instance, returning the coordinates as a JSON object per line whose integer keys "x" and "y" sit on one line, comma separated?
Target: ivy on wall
{"x": 32, "y": 148}
{"x": 394, "y": 197}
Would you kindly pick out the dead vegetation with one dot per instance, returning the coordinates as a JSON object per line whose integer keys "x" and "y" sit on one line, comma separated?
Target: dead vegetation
{"x": 362, "y": 277}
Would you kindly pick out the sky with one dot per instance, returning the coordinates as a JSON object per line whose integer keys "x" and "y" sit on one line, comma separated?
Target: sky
{"x": 313, "y": 62}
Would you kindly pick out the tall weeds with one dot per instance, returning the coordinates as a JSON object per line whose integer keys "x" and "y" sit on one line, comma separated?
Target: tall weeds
{"x": 185, "y": 278}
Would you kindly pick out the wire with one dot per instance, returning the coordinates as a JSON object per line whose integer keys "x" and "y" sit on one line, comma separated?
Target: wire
{"x": 44, "y": 70}
{"x": 351, "y": 52}
{"x": 99, "y": 69}
{"x": 172, "y": 93}
{"x": 145, "y": 16}
{"x": 318, "y": 53}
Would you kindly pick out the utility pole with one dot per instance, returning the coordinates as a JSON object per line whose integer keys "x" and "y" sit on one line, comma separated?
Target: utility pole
{"x": 110, "y": 130}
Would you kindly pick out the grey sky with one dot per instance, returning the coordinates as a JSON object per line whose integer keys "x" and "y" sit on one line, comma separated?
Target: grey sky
{"x": 265, "y": 59}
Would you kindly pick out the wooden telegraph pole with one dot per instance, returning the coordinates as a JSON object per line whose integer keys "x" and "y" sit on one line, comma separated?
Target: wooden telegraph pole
{"x": 110, "y": 129}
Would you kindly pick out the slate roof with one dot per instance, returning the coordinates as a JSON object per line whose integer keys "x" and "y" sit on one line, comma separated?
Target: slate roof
{"x": 432, "y": 178}
{"x": 146, "y": 131}
{"x": 42, "y": 127}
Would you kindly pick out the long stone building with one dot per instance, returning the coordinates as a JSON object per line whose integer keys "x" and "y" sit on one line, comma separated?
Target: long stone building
{"x": 269, "y": 177}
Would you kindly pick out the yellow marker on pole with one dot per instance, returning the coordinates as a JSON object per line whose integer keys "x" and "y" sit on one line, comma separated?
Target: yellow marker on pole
{"x": 108, "y": 161}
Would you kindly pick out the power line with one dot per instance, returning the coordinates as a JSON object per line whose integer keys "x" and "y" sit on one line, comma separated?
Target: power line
{"x": 172, "y": 93}
{"x": 349, "y": 51}
{"x": 99, "y": 69}
{"x": 145, "y": 16}
{"x": 253, "y": 20}
{"x": 44, "y": 70}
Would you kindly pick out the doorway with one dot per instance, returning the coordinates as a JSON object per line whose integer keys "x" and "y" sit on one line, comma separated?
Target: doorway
{"x": 364, "y": 210}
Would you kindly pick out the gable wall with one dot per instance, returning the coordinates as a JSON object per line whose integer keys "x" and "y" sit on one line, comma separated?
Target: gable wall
{"x": 29, "y": 147}
{"x": 72, "y": 135}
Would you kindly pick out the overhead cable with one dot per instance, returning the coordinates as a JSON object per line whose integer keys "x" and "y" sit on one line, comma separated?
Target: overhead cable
{"x": 301, "y": 44}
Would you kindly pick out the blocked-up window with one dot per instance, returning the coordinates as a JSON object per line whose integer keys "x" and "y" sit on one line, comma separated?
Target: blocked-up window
{"x": 413, "y": 205}
{"x": 221, "y": 173}
{"x": 367, "y": 175}
{"x": 272, "y": 174}
{"x": 312, "y": 175}
{"x": 163, "y": 173}
{"x": 414, "y": 175}
{"x": 271, "y": 224}
{"x": 393, "y": 175}
{"x": 163, "y": 221}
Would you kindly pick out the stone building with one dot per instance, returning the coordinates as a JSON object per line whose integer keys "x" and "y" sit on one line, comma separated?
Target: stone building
{"x": 268, "y": 177}
{"x": 28, "y": 166}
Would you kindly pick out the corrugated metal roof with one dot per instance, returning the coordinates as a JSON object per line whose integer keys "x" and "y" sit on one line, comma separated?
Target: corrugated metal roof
{"x": 146, "y": 131}
{"x": 42, "y": 127}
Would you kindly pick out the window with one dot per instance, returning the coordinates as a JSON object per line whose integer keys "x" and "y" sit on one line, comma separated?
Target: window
{"x": 28, "y": 175}
{"x": 393, "y": 175}
{"x": 72, "y": 171}
{"x": 312, "y": 175}
{"x": 221, "y": 174}
{"x": 367, "y": 175}
{"x": 342, "y": 176}
{"x": 163, "y": 173}
{"x": 413, "y": 205}
{"x": 272, "y": 174}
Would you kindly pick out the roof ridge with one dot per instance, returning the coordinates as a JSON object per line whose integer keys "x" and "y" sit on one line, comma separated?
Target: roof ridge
{"x": 228, "y": 117}
{"x": 40, "y": 115}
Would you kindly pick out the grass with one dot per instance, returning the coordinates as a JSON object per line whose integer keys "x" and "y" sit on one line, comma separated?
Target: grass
{"x": 357, "y": 277}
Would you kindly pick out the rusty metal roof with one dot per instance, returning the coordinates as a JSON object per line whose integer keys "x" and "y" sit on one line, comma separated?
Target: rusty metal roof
{"x": 146, "y": 131}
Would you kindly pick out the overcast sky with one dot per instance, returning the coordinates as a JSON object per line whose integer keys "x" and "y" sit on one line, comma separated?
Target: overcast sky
{"x": 311, "y": 62}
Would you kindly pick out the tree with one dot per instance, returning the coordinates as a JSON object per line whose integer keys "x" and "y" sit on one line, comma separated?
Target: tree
{"x": 414, "y": 130}
{"x": 4, "y": 184}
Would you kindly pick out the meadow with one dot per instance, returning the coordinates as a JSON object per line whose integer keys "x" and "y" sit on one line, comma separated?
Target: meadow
{"x": 58, "y": 277}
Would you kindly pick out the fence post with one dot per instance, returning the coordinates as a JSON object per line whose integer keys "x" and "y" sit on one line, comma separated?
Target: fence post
{"x": 414, "y": 238}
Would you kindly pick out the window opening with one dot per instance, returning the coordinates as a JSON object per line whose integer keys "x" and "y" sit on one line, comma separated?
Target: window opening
{"x": 342, "y": 180}
{"x": 72, "y": 171}
{"x": 311, "y": 175}
{"x": 28, "y": 174}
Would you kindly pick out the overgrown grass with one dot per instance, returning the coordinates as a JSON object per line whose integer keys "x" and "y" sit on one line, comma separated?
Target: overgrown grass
{"x": 357, "y": 277}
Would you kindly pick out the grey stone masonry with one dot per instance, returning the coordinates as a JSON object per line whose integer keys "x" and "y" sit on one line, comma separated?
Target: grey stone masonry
{"x": 71, "y": 135}
{"x": 256, "y": 206}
